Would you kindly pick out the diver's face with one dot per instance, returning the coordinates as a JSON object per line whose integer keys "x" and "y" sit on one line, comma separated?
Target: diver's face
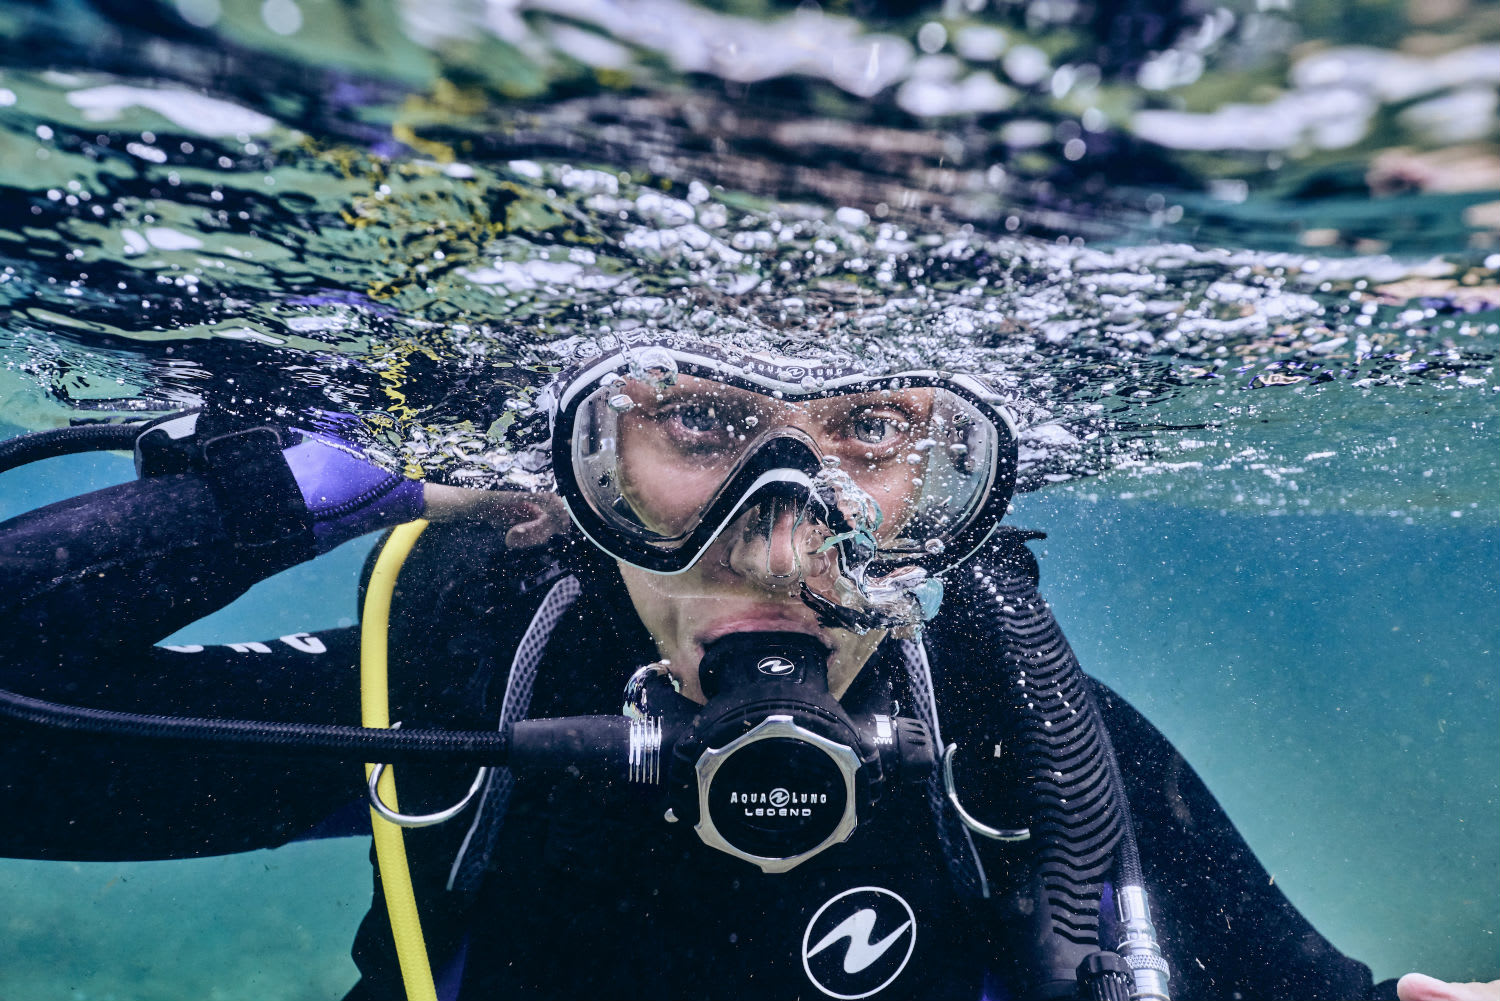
{"x": 680, "y": 443}
{"x": 747, "y": 581}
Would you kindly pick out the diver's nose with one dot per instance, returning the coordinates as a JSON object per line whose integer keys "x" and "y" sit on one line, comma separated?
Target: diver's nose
{"x": 775, "y": 544}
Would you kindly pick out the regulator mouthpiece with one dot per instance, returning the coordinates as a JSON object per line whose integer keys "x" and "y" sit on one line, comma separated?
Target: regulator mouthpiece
{"x": 741, "y": 659}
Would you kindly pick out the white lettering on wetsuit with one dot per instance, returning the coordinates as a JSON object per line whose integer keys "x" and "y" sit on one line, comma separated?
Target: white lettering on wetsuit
{"x": 303, "y": 642}
{"x": 306, "y": 642}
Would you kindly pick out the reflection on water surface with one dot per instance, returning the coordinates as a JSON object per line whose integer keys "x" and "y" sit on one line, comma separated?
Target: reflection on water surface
{"x": 1231, "y": 258}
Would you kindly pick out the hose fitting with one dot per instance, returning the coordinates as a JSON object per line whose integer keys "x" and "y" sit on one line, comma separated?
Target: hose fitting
{"x": 1139, "y": 948}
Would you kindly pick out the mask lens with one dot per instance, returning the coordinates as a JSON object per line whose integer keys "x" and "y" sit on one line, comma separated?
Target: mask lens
{"x": 652, "y": 458}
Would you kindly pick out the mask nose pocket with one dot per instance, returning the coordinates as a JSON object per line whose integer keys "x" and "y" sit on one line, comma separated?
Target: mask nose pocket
{"x": 778, "y": 538}
{"x": 777, "y": 521}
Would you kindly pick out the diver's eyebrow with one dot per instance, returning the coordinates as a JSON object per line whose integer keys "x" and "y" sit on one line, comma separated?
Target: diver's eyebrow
{"x": 911, "y": 401}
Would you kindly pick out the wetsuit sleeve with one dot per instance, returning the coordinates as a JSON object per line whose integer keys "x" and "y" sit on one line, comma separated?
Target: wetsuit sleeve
{"x": 123, "y": 567}
{"x": 91, "y": 584}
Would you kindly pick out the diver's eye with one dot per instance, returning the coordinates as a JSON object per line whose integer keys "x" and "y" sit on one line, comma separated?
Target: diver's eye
{"x": 876, "y": 427}
{"x": 699, "y": 427}
{"x": 697, "y": 418}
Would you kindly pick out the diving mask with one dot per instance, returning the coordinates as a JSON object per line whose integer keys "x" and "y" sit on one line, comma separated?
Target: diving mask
{"x": 657, "y": 449}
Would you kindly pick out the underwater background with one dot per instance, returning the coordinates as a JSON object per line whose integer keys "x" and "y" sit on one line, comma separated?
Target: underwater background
{"x": 1237, "y": 265}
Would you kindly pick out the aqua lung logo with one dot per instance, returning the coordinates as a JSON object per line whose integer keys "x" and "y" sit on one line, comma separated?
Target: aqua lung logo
{"x": 775, "y": 666}
{"x": 778, "y": 802}
{"x": 858, "y": 943}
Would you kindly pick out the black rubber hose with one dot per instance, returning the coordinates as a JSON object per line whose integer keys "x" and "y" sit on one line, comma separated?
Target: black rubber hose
{"x": 1037, "y": 756}
{"x": 339, "y": 743}
{"x": 41, "y": 445}
{"x": 1128, "y": 859}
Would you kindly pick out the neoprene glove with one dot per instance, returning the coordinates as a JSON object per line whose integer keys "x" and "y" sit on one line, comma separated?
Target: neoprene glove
{"x": 345, "y": 495}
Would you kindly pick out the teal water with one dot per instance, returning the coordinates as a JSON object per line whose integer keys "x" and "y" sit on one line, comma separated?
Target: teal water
{"x": 1241, "y": 287}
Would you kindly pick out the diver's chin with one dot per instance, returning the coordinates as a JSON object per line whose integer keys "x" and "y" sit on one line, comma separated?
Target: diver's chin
{"x": 761, "y": 622}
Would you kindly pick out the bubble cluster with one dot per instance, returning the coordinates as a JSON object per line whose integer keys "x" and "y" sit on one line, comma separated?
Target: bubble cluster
{"x": 181, "y": 247}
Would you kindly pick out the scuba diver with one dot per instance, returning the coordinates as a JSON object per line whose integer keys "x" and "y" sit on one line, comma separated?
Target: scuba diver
{"x": 856, "y": 757}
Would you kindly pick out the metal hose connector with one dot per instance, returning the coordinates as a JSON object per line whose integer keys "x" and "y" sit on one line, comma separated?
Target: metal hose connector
{"x": 1139, "y": 947}
{"x": 645, "y": 750}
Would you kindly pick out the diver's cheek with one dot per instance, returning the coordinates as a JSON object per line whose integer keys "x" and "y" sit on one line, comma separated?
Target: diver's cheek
{"x": 658, "y": 610}
{"x": 670, "y": 608}
{"x": 896, "y": 493}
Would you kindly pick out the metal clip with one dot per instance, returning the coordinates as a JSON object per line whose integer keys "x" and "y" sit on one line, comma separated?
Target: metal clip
{"x": 425, "y": 819}
{"x": 644, "y": 750}
{"x": 969, "y": 820}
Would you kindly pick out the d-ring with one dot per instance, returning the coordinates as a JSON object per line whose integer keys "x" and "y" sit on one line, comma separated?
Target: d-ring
{"x": 969, "y": 820}
{"x": 424, "y": 819}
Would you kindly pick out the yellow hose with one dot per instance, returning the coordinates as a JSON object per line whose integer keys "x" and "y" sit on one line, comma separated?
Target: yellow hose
{"x": 375, "y": 711}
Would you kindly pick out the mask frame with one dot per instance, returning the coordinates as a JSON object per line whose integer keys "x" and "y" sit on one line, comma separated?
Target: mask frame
{"x": 789, "y": 380}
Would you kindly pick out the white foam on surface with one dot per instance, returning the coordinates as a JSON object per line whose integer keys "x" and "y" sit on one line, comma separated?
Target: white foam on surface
{"x": 207, "y": 116}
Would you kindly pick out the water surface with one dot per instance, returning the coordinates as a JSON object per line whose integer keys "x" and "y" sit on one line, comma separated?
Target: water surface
{"x": 1235, "y": 268}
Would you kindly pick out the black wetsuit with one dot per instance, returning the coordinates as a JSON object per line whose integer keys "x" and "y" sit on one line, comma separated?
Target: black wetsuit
{"x": 580, "y": 891}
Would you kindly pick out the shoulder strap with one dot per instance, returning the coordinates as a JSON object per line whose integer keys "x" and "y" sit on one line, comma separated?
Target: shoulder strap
{"x": 474, "y": 852}
{"x": 964, "y": 865}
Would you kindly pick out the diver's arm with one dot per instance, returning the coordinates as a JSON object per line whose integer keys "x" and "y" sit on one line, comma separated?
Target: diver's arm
{"x": 116, "y": 570}
{"x": 78, "y": 798}
{"x": 91, "y": 584}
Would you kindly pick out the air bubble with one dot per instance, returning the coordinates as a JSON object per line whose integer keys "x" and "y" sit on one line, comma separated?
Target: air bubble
{"x": 934, "y": 546}
{"x": 654, "y": 366}
{"x": 620, "y": 403}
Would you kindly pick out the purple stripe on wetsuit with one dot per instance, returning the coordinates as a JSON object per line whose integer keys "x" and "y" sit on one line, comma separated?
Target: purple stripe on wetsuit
{"x": 346, "y": 494}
